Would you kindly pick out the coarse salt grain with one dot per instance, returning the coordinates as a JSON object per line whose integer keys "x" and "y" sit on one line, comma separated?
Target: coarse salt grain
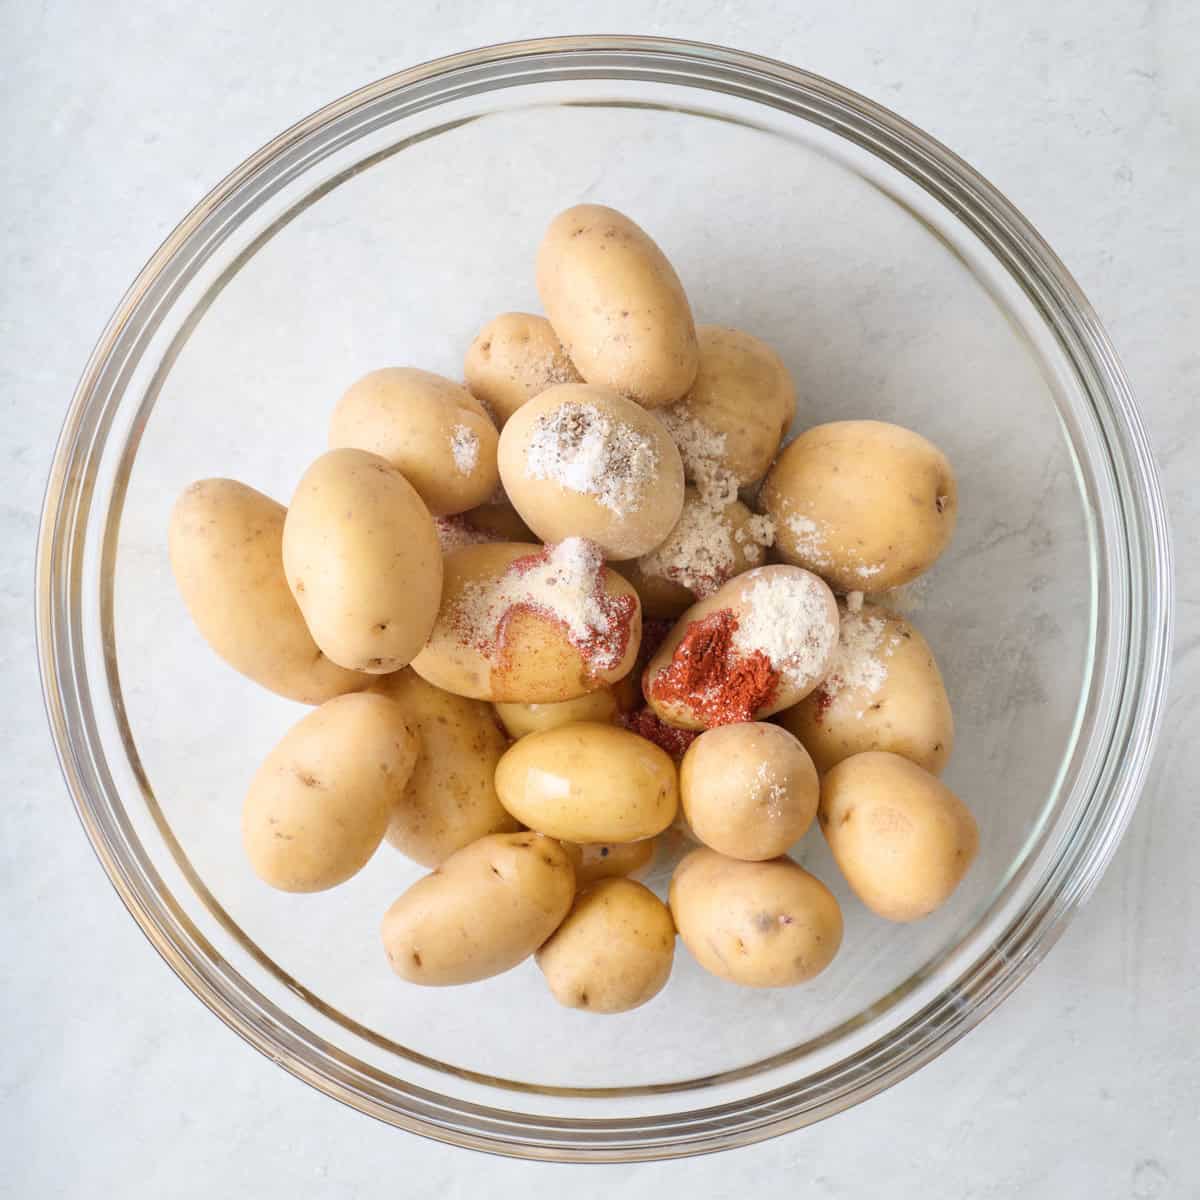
{"x": 786, "y": 618}
{"x": 464, "y": 445}
{"x": 586, "y": 451}
{"x": 564, "y": 582}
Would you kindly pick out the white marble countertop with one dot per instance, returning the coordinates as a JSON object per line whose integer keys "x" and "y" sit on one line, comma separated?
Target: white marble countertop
{"x": 114, "y": 1080}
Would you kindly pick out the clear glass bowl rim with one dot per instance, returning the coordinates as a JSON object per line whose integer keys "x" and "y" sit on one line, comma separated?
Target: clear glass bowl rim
{"x": 1138, "y": 605}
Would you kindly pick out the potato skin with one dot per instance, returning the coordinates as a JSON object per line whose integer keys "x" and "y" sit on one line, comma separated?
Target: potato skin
{"x": 318, "y": 806}
{"x": 450, "y": 798}
{"x": 488, "y": 907}
{"x": 554, "y": 510}
{"x": 594, "y": 861}
{"x": 533, "y": 661}
{"x": 363, "y": 561}
{"x": 760, "y": 924}
{"x": 902, "y": 838}
{"x": 617, "y": 305}
{"x": 748, "y": 791}
{"x": 226, "y": 547}
{"x": 521, "y": 719}
{"x": 410, "y": 418}
{"x": 867, "y": 505}
{"x": 589, "y": 783}
{"x": 742, "y": 393}
{"x": 614, "y": 951}
{"x": 905, "y": 712}
{"x": 513, "y": 358}
{"x": 733, "y": 596}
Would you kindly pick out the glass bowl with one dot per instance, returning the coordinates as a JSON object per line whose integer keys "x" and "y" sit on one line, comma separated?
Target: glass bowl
{"x": 897, "y": 284}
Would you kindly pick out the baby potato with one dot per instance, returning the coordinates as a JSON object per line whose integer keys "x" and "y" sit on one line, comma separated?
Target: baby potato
{"x": 760, "y": 924}
{"x": 902, "y": 838}
{"x": 710, "y": 544}
{"x": 589, "y": 783}
{"x": 226, "y": 546}
{"x": 757, "y": 645}
{"x": 582, "y": 461}
{"x": 318, "y": 806}
{"x": 429, "y": 428}
{"x": 520, "y": 719}
{"x": 488, "y": 907}
{"x": 738, "y": 410}
{"x": 530, "y": 625}
{"x": 883, "y": 692}
{"x": 748, "y": 791}
{"x": 514, "y": 357}
{"x": 363, "y": 561}
{"x": 617, "y": 305}
{"x": 500, "y": 521}
{"x": 450, "y": 799}
{"x": 866, "y": 505}
{"x": 609, "y": 860}
{"x": 613, "y": 952}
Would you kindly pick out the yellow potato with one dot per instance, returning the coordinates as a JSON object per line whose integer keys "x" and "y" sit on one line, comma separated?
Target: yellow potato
{"x": 450, "y": 799}
{"x": 710, "y": 544}
{"x": 883, "y": 692}
{"x": 499, "y": 520}
{"x": 429, "y": 428}
{"x": 488, "y": 907}
{"x": 772, "y": 630}
{"x": 609, "y": 860}
{"x": 760, "y": 924}
{"x": 736, "y": 413}
{"x": 614, "y": 951}
{"x": 363, "y": 561}
{"x": 589, "y": 783}
{"x": 867, "y": 505}
{"x": 318, "y": 806}
{"x": 530, "y": 625}
{"x": 902, "y": 838}
{"x": 520, "y": 719}
{"x": 582, "y": 461}
{"x": 617, "y": 305}
{"x": 749, "y": 791}
{"x": 226, "y": 545}
{"x": 513, "y": 358}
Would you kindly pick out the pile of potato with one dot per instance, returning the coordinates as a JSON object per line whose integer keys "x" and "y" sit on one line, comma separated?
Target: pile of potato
{"x": 508, "y": 754}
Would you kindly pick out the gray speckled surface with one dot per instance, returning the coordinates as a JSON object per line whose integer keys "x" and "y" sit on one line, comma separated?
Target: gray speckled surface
{"x": 114, "y": 1080}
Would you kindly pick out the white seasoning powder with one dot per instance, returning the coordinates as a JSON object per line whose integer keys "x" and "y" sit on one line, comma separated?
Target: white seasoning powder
{"x": 698, "y": 553}
{"x": 859, "y": 670}
{"x": 586, "y": 451}
{"x": 786, "y": 617}
{"x": 465, "y": 447}
{"x": 808, "y": 539}
{"x": 454, "y": 532}
{"x": 566, "y": 582}
{"x": 769, "y": 791}
{"x": 703, "y": 452}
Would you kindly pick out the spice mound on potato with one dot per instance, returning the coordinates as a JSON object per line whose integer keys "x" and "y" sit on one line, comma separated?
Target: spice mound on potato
{"x": 757, "y": 645}
{"x": 530, "y": 625}
{"x": 582, "y": 461}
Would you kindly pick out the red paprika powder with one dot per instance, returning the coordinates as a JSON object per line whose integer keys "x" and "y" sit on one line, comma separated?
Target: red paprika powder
{"x": 715, "y": 682}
